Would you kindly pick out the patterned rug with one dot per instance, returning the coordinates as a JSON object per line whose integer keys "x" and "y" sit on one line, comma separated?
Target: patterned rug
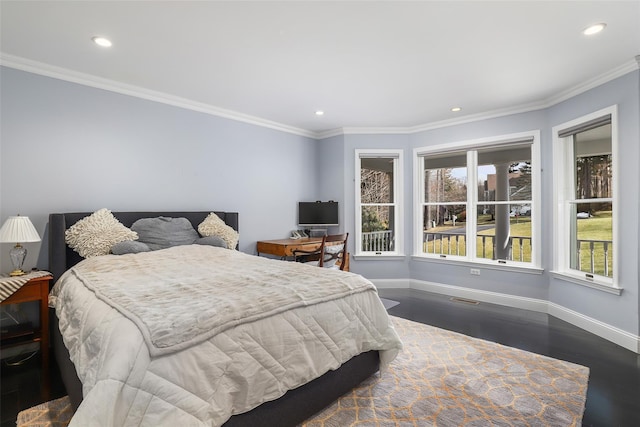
{"x": 441, "y": 378}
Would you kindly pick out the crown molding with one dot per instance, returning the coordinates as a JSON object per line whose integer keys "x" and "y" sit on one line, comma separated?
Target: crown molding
{"x": 525, "y": 108}
{"x": 620, "y": 71}
{"x": 446, "y": 123}
{"x": 65, "y": 74}
{"x": 330, "y": 133}
{"x": 139, "y": 92}
{"x": 433, "y": 125}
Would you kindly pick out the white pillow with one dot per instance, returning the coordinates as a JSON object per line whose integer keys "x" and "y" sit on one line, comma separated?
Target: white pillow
{"x": 214, "y": 226}
{"x": 96, "y": 234}
{"x": 332, "y": 250}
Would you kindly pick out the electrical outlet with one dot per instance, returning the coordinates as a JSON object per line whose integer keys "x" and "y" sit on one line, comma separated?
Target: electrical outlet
{"x": 475, "y": 271}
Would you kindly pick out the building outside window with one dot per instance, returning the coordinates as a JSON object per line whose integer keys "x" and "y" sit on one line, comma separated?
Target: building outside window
{"x": 477, "y": 201}
{"x": 378, "y": 202}
{"x": 585, "y": 210}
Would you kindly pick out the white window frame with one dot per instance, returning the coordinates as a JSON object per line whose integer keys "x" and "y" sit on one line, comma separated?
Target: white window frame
{"x": 471, "y": 147}
{"x": 563, "y": 161}
{"x": 398, "y": 191}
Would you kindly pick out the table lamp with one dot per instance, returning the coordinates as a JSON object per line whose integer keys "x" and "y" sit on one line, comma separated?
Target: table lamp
{"x": 18, "y": 229}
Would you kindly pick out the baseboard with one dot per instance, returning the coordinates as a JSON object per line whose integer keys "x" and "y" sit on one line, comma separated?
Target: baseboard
{"x": 596, "y": 327}
{"x": 484, "y": 296}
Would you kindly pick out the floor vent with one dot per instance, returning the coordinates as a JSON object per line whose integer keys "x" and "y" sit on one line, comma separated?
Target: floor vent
{"x": 464, "y": 300}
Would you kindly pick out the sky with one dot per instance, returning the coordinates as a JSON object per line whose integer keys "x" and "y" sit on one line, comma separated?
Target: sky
{"x": 483, "y": 171}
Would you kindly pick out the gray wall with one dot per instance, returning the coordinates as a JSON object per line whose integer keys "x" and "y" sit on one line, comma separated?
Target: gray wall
{"x": 619, "y": 311}
{"x": 523, "y": 285}
{"x": 331, "y": 167}
{"x": 67, "y": 147}
{"x": 376, "y": 269}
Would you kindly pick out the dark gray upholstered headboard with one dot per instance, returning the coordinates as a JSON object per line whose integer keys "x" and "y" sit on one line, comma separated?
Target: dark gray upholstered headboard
{"x": 62, "y": 257}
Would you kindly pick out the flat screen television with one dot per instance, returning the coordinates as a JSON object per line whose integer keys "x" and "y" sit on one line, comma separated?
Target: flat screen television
{"x": 317, "y": 214}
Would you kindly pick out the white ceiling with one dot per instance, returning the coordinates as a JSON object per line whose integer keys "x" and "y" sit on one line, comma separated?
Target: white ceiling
{"x": 386, "y": 64}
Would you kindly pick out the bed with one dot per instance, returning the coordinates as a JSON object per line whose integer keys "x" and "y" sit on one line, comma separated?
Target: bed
{"x": 277, "y": 406}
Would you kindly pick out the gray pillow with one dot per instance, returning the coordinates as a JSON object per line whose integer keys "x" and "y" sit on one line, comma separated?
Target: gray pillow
{"x": 163, "y": 232}
{"x": 129, "y": 247}
{"x": 212, "y": 241}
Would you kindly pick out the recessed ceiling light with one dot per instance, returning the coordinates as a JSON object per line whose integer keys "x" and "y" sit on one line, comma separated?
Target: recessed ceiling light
{"x": 319, "y": 113}
{"x": 456, "y": 109}
{"x": 594, "y": 29}
{"x": 101, "y": 41}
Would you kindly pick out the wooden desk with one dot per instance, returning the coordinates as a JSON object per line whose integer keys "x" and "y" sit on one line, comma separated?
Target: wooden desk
{"x": 284, "y": 248}
{"x": 37, "y": 289}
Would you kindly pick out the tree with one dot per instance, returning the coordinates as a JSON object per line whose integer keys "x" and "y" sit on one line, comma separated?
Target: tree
{"x": 593, "y": 177}
{"x": 522, "y": 182}
{"x": 442, "y": 186}
{"x": 375, "y": 187}
{"x": 371, "y": 220}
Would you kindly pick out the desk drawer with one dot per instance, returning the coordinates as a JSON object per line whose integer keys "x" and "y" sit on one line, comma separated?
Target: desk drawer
{"x": 271, "y": 248}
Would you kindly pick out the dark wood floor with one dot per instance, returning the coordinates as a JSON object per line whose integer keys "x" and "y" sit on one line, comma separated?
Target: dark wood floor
{"x": 22, "y": 387}
{"x": 613, "y": 397}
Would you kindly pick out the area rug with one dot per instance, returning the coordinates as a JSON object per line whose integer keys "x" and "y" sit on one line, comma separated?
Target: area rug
{"x": 55, "y": 413}
{"x": 441, "y": 378}
{"x": 388, "y": 303}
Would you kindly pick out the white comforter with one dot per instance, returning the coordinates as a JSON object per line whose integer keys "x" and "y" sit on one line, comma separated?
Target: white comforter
{"x": 194, "y": 334}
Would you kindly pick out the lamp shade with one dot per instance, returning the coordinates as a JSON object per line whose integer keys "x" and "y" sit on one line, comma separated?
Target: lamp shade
{"x": 18, "y": 229}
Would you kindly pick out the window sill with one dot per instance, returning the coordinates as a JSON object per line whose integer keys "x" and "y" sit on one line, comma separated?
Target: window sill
{"x": 380, "y": 257}
{"x": 587, "y": 283}
{"x": 492, "y": 266}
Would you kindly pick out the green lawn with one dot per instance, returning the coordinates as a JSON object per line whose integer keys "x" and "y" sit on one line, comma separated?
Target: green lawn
{"x": 597, "y": 227}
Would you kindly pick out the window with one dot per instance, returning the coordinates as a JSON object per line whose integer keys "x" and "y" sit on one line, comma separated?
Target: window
{"x": 378, "y": 202}
{"x": 445, "y": 204}
{"x": 477, "y": 201}
{"x": 584, "y": 158}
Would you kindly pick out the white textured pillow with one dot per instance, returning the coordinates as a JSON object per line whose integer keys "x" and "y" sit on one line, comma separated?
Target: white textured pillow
{"x": 332, "y": 250}
{"x": 97, "y": 233}
{"x": 214, "y": 226}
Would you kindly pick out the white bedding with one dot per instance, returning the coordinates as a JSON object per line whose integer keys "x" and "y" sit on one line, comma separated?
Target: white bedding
{"x": 184, "y": 356}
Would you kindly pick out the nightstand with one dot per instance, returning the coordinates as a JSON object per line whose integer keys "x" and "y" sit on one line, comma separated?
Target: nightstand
{"x": 36, "y": 289}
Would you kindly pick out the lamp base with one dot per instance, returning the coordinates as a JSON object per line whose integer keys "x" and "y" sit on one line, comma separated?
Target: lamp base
{"x": 17, "y": 273}
{"x": 18, "y": 253}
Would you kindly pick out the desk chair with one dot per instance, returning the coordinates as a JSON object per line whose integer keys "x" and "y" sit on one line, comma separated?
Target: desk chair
{"x": 332, "y": 249}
